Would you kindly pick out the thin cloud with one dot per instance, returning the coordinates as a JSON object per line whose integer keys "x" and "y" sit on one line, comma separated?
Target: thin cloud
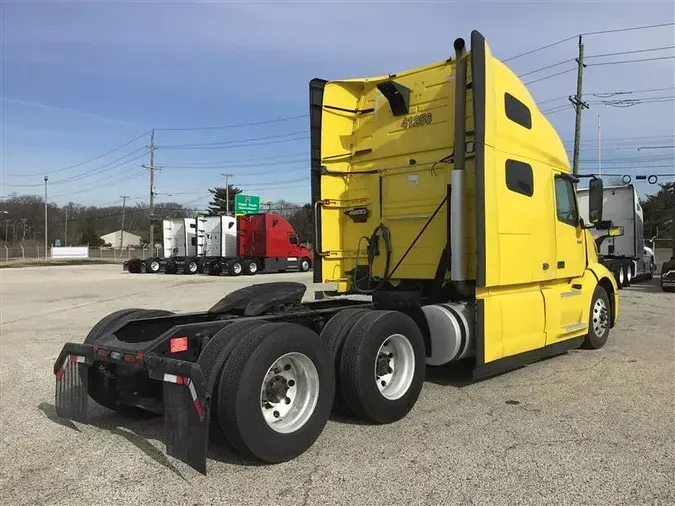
{"x": 48, "y": 107}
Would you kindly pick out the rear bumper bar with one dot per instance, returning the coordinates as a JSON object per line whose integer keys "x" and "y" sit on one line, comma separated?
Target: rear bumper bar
{"x": 186, "y": 403}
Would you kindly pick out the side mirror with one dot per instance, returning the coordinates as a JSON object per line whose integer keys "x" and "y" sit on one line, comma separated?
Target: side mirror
{"x": 595, "y": 195}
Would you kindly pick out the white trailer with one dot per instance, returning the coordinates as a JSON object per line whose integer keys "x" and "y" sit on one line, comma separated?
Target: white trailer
{"x": 626, "y": 255}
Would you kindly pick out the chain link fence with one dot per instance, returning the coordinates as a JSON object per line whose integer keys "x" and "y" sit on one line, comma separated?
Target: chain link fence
{"x": 107, "y": 254}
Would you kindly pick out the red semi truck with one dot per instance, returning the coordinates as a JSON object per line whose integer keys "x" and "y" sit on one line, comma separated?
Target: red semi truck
{"x": 265, "y": 242}
{"x": 246, "y": 244}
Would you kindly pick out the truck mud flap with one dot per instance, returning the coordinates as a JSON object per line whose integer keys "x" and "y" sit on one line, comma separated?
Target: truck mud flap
{"x": 71, "y": 370}
{"x": 186, "y": 419}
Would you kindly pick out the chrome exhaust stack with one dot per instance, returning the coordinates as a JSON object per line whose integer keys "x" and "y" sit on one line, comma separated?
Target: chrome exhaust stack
{"x": 458, "y": 261}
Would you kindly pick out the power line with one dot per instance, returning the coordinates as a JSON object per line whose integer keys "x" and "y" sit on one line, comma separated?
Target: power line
{"x": 232, "y": 165}
{"x": 631, "y": 52}
{"x": 227, "y": 143}
{"x": 82, "y": 163}
{"x": 639, "y": 60}
{"x": 561, "y": 41}
{"x": 628, "y": 29}
{"x": 607, "y": 94}
{"x": 540, "y": 48}
{"x": 84, "y": 175}
{"x": 231, "y": 146}
{"x": 546, "y": 67}
{"x": 550, "y": 76}
{"x": 236, "y": 162}
{"x": 239, "y": 125}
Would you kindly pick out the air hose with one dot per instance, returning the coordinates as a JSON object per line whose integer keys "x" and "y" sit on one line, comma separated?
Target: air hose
{"x": 372, "y": 250}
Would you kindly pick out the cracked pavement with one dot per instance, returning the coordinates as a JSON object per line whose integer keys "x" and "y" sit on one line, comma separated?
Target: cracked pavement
{"x": 585, "y": 428}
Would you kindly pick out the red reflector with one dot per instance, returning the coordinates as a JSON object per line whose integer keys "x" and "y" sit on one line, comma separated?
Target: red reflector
{"x": 128, "y": 357}
{"x": 180, "y": 380}
{"x": 178, "y": 344}
{"x": 102, "y": 353}
{"x": 140, "y": 355}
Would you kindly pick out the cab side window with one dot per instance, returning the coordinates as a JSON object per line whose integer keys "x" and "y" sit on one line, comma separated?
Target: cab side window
{"x": 565, "y": 201}
{"x": 293, "y": 239}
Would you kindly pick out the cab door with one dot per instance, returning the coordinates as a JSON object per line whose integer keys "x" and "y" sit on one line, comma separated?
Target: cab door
{"x": 570, "y": 263}
{"x": 570, "y": 258}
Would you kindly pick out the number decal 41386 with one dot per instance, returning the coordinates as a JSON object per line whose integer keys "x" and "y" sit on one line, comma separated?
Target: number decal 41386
{"x": 416, "y": 120}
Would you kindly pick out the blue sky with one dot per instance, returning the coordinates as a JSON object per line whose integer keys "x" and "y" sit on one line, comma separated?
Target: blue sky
{"x": 81, "y": 78}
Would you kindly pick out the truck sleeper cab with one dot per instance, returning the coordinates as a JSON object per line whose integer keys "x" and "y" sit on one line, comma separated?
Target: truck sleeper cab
{"x": 445, "y": 197}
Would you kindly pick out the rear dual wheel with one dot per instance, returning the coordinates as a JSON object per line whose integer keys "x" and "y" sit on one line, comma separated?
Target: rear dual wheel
{"x": 273, "y": 392}
{"x": 379, "y": 359}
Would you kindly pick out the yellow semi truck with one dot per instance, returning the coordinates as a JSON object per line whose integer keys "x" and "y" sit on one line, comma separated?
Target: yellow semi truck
{"x": 443, "y": 195}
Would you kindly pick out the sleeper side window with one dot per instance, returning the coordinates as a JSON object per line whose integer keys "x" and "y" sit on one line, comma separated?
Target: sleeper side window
{"x": 517, "y": 112}
{"x": 519, "y": 177}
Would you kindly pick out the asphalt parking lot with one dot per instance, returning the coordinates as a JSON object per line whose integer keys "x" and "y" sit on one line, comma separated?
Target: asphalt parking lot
{"x": 583, "y": 428}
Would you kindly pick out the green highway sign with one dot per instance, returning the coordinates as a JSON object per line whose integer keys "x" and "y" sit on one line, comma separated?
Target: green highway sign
{"x": 246, "y": 204}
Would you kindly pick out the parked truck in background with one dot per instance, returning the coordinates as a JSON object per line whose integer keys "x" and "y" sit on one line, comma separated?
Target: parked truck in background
{"x": 245, "y": 244}
{"x": 626, "y": 255}
{"x": 448, "y": 201}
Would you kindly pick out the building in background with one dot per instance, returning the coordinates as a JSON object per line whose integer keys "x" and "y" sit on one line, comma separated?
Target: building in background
{"x": 114, "y": 238}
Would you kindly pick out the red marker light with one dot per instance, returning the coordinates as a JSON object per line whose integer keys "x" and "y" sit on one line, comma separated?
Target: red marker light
{"x": 178, "y": 344}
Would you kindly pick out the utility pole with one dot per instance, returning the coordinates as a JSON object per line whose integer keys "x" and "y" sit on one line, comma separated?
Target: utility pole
{"x": 227, "y": 193}
{"x": 579, "y": 104}
{"x": 599, "y": 149}
{"x": 46, "y": 243}
{"x": 65, "y": 233}
{"x": 151, "y": 168}
{"x": 124, "y": 202}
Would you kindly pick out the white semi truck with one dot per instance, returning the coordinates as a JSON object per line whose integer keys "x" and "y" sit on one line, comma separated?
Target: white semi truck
{"x": 626, "y": 256}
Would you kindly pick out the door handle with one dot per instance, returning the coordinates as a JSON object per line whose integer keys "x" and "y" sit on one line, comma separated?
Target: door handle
{"x": 561, "y": 264}
{"x": 545, "y": 266}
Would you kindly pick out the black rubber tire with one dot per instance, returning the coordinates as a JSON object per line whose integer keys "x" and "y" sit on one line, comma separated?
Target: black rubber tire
{"x": 215, "y": 269}
{"x": 191, "y": 266}
{"x": 627, "y": 267}
{"x": 217, "y": 350}
{"x": 358, "y": 359}
{"x": 134, "y": 268}
{"x": 171, "y": 267}
{"x": 250, "y": 267}
{"x": 334, "y": 334}
{"x": 149, "y": 265}
{"x": 101, "y": 391}
{"x": 614, "y": 268}
{"x": 593, "y": 341}
{"x": 239, "y": 406}
{"x": 304, "y": 264}
{"x": 232, "y": 269}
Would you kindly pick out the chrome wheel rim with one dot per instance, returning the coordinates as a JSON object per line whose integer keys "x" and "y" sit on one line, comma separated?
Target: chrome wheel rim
{"x": 253, "y": 267}
{"x": 289, "y": 392}
{"x": 621, "y": 275}
{"x": 236, "y": 268}
{"x": 394, "y": 367}
{"x": 629, "y": 273}
{"x": 600, "y": 317}
{"x": 193, "y": 267}
{"x": 154, "y": 266}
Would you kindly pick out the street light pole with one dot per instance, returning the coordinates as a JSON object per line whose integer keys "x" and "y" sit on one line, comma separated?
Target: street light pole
{"x": 46, "y": 242}
{"x": 227, "y": 193}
